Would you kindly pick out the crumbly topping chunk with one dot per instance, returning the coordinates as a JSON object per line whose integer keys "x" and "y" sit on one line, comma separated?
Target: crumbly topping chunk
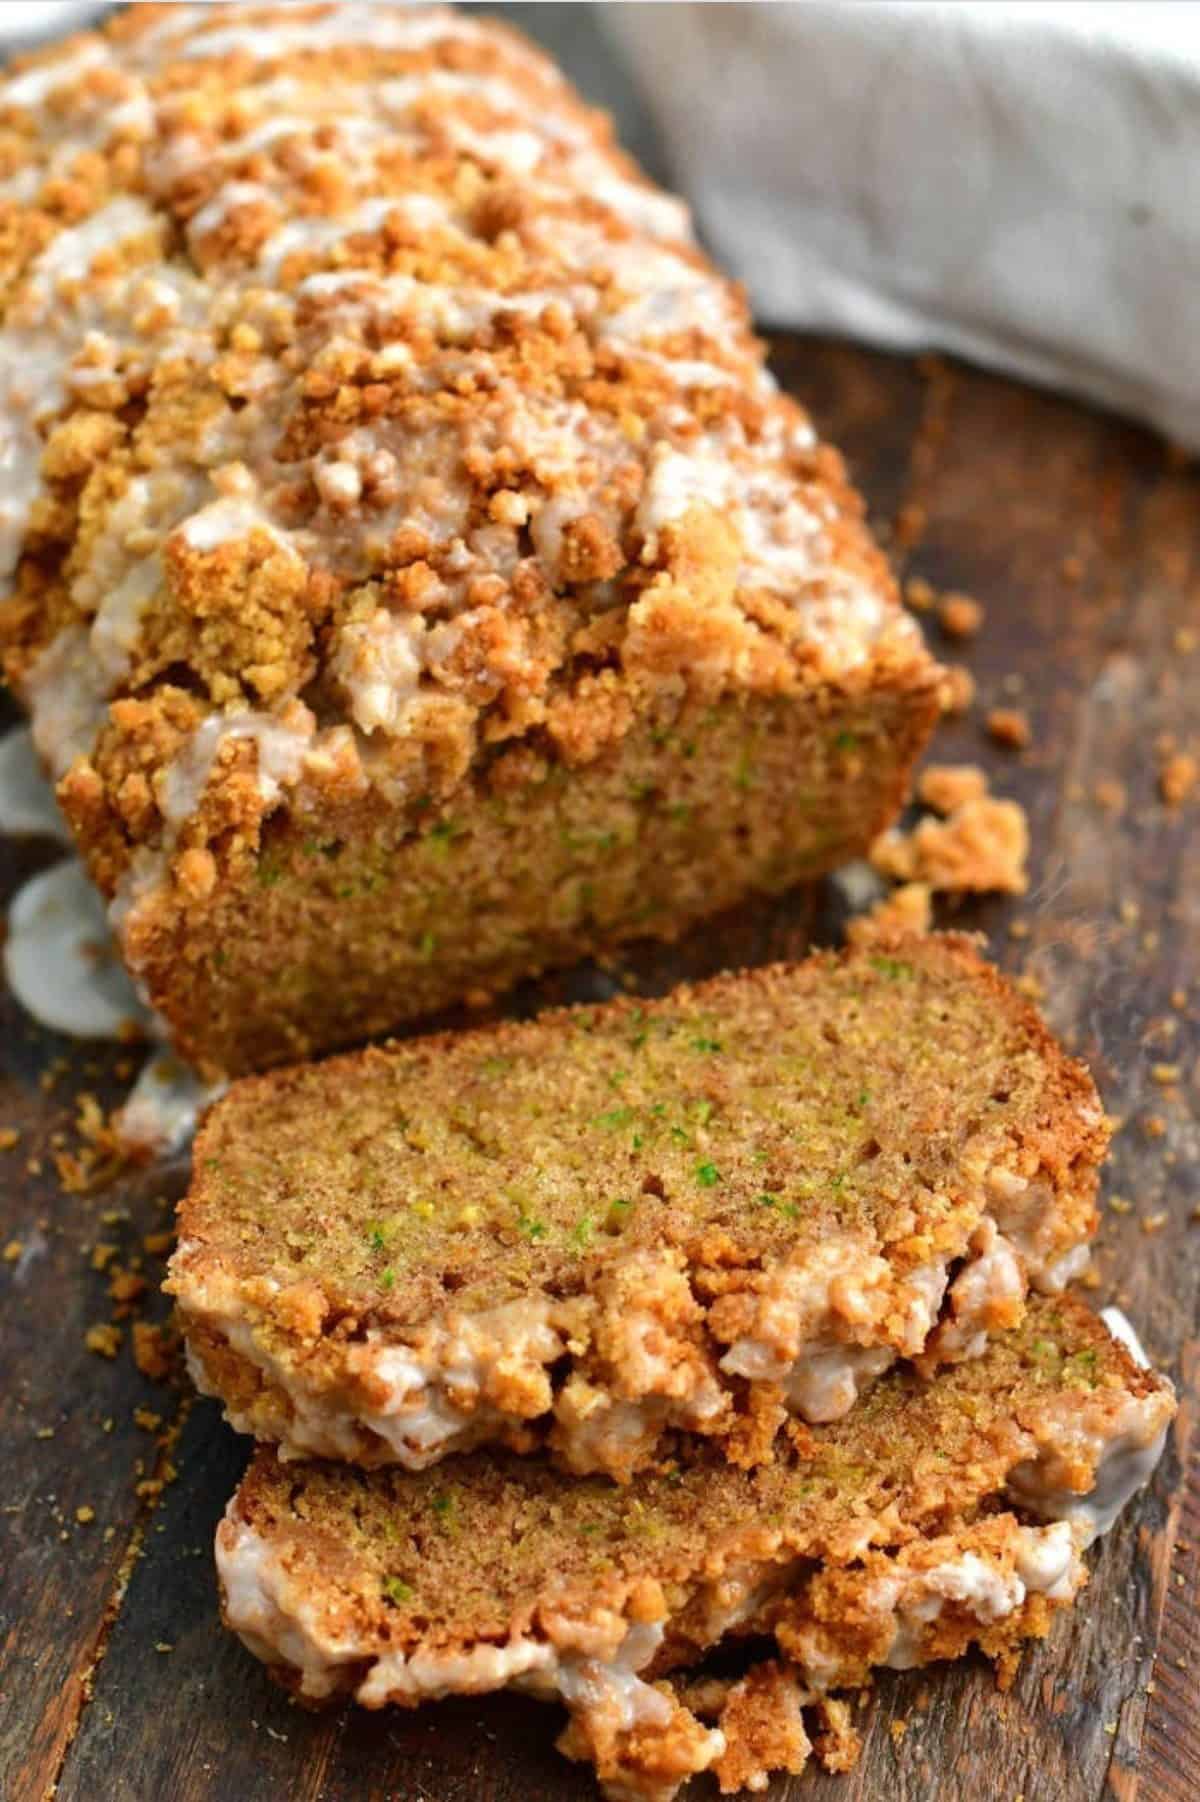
{"x": 908, "y": 910}
{"x": 348, "y": 361}
{"x": 763, "y": 1723}
{"x": 981, "y": 848}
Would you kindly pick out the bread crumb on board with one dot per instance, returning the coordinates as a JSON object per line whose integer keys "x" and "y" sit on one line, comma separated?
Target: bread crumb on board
{"x": 908, "y": 909}
{"x": 960, "y": 615}
{"x": 153, "y": 1349}
{"x": 1009, "y": 726}
{"x": 981, "y": 848}
{"x": 104, "y": 1339}
{"x": 957, "y": 691}
{"x": 1177, "y": 777}
{"x": 945, "y": 786}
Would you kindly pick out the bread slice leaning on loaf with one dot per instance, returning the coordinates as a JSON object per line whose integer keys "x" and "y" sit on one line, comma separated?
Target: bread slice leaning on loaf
{"x": 604, "y": 1224}
{"x": 413, "y": 576}
{"x": 935, "y": 1516}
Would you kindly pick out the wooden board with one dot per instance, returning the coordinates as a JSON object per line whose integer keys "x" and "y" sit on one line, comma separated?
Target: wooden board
{"x": 116, "y": 1681}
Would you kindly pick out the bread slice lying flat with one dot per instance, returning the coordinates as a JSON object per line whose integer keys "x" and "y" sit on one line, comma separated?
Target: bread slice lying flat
{"x": 605, "y": 1224}
{"x": 933, "y": 1516}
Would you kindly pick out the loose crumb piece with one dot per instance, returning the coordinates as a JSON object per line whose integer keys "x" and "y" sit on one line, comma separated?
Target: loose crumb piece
{"x": 1177, "y": 778}
{"x": 907, "y": 909}
{"x": 763, "y": 1724}
{"x": 1154, "y": 1126}
{"x": 44, "y": 1433}
{"x": 1154, "y": 1223}
{"x": 158, "y": 1244}
{"x": 126, "y": 1288}
{"x": 12, "y": 1251}
{"x": 147, "y": 1419}
{"x": 152, "y": 1349}
{"x": 103, "y": 1339}
{"x": 1186, "y": 640}
{"x": 162, "y": 1646}
{"x": 1010, "y": 727}
{"x": 957, "y": 691}
{"x": 9, "y": 1136}
{"x": 85, "y": 1515}
{"x": 102, "y": 1254}
{"x": 1110, "y": 794}
{"x": 945, "y": 786}
{"x": 919, "y": 594}
{"x": 960, "y": 615}
{"x": 982, "y": 848}
{"x": 1165, "y": 1074}
{"x": 1120, "y": 1205}
{"x": 837, "y": 1744}
{"x": 897, "y": 1729}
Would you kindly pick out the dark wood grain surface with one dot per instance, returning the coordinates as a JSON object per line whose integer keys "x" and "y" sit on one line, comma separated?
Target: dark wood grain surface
{"x": 116, "y": 1681}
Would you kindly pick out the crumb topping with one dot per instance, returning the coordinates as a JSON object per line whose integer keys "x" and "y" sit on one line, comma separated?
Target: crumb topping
{"x": 351, "y": 369}
{"x": 887, "y": 1540}
{"x": 982, "y": 847}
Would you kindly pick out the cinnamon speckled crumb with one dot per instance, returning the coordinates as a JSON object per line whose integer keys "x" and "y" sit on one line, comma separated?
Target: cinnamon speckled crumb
{"x": 960, "y": 615}
{"x": 1010, "y": 727}
{"x": 945, "y": 786}
{"x": 907, "y": 910}
{"x": 957, "y": 690}
{"x": 154, "y": 1349}
{"x": 104, "y": 1339}
{"x": 1177, "y": 777}
{"x": 981, "y": 848}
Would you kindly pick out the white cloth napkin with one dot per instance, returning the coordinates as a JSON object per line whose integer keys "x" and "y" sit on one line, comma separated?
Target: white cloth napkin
{"x": 1014, "y": 180}
{"x": 24, "y": 23}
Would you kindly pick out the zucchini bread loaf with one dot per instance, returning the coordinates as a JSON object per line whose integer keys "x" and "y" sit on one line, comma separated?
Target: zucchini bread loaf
{"x": 933, "y": 1517}
{"x": 604, "y": 1224}
{"x": 413, "y": 575}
